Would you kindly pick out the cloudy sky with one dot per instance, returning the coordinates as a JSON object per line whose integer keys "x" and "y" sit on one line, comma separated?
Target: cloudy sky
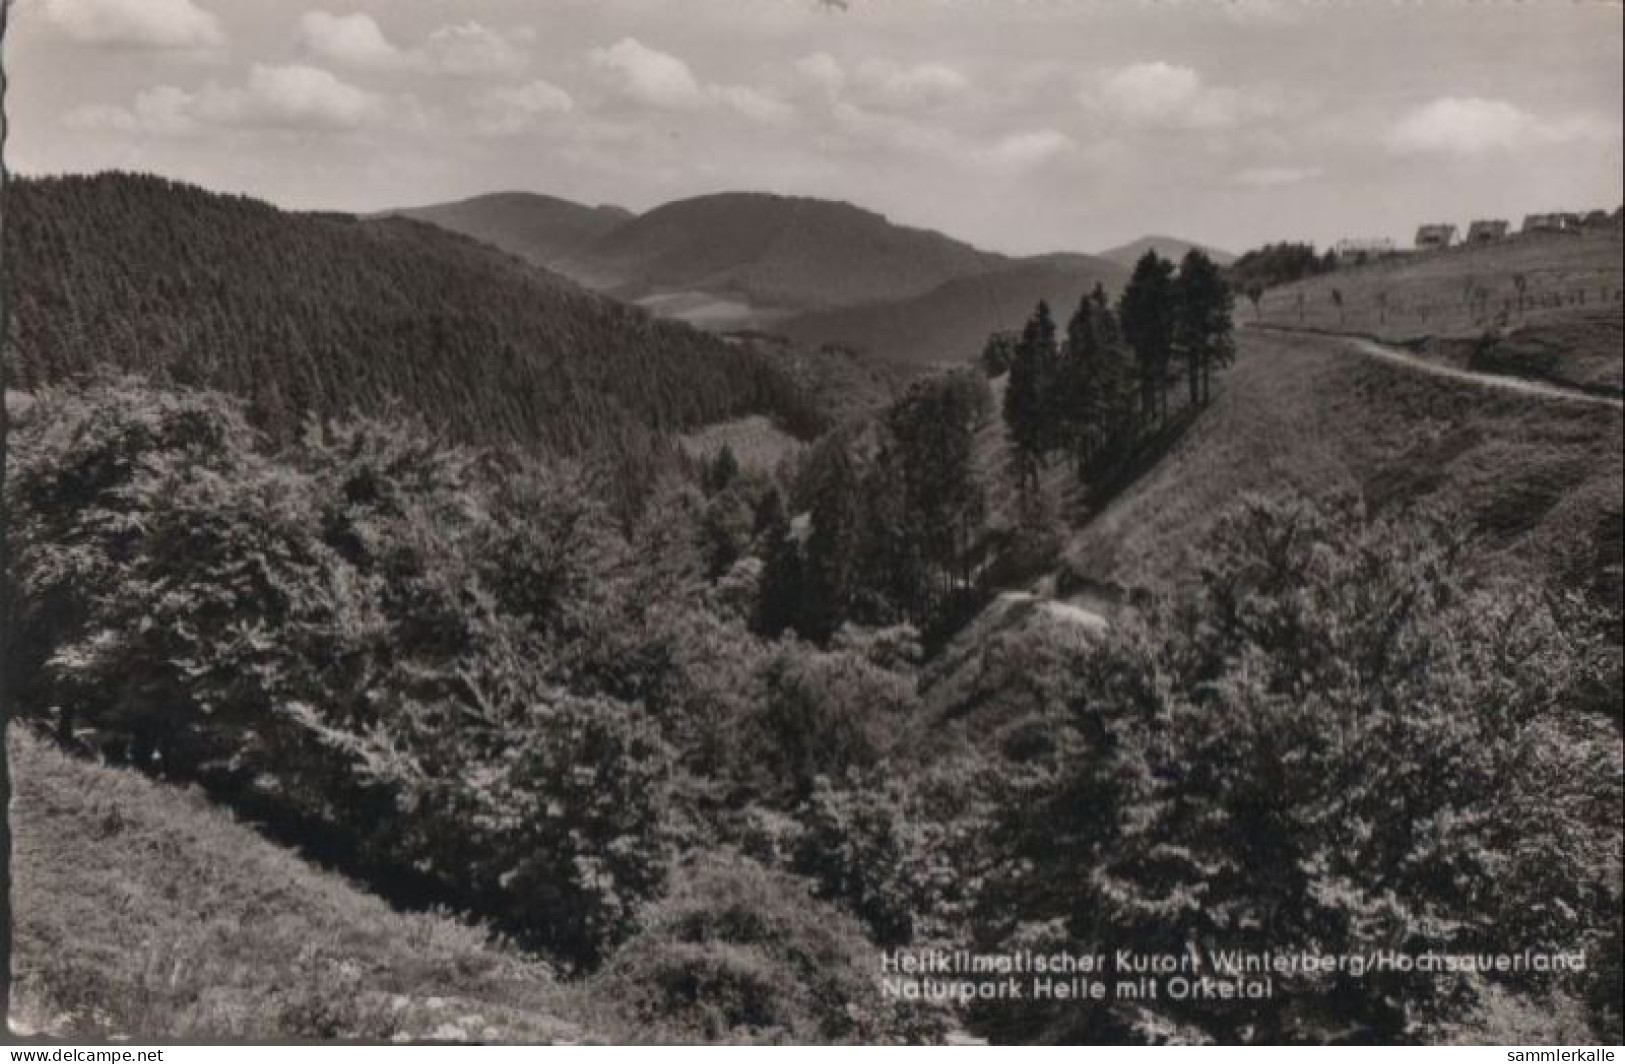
{"x": 1022, "y": 126}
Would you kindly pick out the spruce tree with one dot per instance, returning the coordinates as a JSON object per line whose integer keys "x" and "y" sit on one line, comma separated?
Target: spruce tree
{"x": 832, "y": 545}
{"x": 1146, "y": 311}
{"x": 1202, "y": 328}
{"x": 780, "y": 593}
{"x": 1079, "y": 367}
{"x": 1026, "y": 395}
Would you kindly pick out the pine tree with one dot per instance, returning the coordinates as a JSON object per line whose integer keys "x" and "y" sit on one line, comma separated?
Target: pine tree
{"x": 1117, "y": 385}
{"x": 997, "y": 354}
{"x": 832, "y": 545}
{"x": 1080, "y": 360}
{"x": 1032, "y": 367}
{"x": 1146, "y": 311}
{"x": 779, "y": 596}
{"x": 1202, "y": 327}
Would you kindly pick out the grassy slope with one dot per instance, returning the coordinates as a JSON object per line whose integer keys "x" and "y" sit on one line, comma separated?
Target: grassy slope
{"x": 141, "y": 908}
{"x": 1539, "y": 481}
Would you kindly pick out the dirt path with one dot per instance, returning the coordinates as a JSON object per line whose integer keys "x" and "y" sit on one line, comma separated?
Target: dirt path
{"x": 1382, "y": 352}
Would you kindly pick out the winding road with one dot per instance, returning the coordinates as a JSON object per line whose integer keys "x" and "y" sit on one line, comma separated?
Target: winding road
{"x": 1382, "y": 352}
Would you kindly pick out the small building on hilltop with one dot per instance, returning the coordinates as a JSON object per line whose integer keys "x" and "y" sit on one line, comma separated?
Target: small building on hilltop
{"x": 1598, "y": 219}
{"x": 1488, "y": 230}
{"x": 1555, "y": 222}
{"x": 1434, "y": 237}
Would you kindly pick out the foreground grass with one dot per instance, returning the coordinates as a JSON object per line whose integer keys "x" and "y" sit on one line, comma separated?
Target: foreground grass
{"x": 142, "y": 909}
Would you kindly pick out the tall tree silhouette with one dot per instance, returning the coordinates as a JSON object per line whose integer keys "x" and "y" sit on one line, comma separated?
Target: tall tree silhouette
{"x": 1202, "y": 323}
{"x": 1026, "y": 396}
{"x": 1146, "y": 310}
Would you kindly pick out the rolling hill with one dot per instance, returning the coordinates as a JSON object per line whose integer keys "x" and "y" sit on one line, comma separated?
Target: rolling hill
{"x": 543, "y": 230}
{"x": 1169, "y": 247}
{"x": 723, "y": 261}
{"x": 782, "y": 251}
{"x": 319, "y": 315}
{"x": 949, "y": 324}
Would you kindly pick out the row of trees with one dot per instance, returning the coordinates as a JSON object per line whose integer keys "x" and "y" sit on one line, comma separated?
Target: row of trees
{"x": 1095, "y": 393}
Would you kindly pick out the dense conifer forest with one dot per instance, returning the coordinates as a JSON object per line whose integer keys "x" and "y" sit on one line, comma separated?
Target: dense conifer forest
{"x": 319, "y": 315}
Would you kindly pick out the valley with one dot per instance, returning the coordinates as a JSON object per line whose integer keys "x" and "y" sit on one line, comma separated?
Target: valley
{"x": 561, "y": 657}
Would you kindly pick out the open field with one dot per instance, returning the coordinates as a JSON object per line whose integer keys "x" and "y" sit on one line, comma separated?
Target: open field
{"x": 1459, "y": 291}
{"x": 757, "y": 444}
{"x": 1465, "y": 304}
{"x": 142, "y": 907}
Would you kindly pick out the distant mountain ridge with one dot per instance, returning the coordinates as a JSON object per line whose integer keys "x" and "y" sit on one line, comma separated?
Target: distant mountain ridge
{"x": 949, "y": 324}
{"x": 543, "y": 230}
{"x": 785, "y": 251}
{"x": 772, "y": 254}
{"x": 1168, "y": 247}
{"x": 817, "y": 271}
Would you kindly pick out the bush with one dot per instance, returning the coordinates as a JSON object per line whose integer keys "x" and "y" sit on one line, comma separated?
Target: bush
{"x": 1335, "y": 743}
{"x": 740, "y": 954}
{"x": 362, "y": 642}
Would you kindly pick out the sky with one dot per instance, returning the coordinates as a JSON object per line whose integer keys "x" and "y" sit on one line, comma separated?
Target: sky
{"x": 1020, "y": 125}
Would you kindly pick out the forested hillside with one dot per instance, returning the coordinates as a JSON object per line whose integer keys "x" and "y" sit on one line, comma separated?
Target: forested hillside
{"x": 307, "y": 315}
{"x": 774, "y": 251}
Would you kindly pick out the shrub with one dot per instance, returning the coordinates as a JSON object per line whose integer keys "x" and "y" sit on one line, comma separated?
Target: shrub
{"x": 1334, "y": 743}
{"x": 738, "y": 953}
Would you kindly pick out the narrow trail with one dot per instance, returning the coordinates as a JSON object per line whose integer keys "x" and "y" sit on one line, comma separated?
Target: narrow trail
{"x": 1368, "y": 348}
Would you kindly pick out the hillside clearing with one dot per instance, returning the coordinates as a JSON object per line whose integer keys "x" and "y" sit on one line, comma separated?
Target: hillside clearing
{"x": 1536, "y": 481}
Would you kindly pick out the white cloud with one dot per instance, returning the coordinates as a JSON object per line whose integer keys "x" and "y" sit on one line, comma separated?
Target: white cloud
{"x": 1158, "y": 95}
{"x": 648, "y": 76}
{"x": 509, "y": 111}
{"x": 1276, "y": 176}
{"x": 910, "y": 87}
{"x": 652, "y": 78}
{"x": 753, "y": 104}
{"x": 474, "y": 50}
{"x": 1460, "y": 126}
{"x": 822, "y": 71}
{"x": 170, "y": 24}
{"x": 164, "y": 111}
{"x": 1152, "y": 92}
{"x": 293, "y": 97}
{"x": 349, "y": 40}
{"x": 892, "y": 132}
{"x": 1471, "y": 125}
